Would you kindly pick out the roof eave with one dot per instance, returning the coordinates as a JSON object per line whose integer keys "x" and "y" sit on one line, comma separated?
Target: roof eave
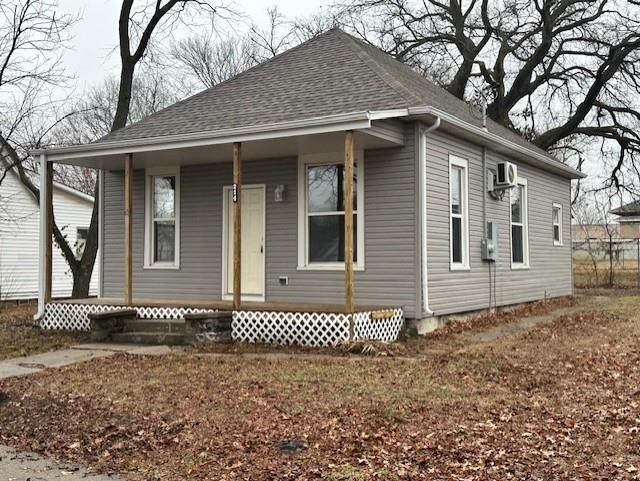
{"x": 331, "y": 123}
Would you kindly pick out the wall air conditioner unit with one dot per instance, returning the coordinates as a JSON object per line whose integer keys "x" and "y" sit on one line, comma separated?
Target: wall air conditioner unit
{"x": 506, "y": 176}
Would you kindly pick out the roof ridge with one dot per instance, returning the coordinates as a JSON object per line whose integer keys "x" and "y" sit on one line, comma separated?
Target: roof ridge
{"x": 359, "y": 48}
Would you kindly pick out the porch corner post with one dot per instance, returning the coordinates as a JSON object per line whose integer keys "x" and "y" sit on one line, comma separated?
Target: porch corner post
{"x": 237, "y": 225}
{"x": 128, "y": 229}
{"x": 48, "y": 279}
{"x": 348, "y": 221}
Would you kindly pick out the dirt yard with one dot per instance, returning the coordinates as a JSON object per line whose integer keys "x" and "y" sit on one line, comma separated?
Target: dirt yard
{"x": 19, "y": 337}
{"x": 549, "y": 395}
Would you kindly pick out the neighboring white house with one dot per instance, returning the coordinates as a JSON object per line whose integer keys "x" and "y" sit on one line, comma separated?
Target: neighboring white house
{"x": 19, "y": 226}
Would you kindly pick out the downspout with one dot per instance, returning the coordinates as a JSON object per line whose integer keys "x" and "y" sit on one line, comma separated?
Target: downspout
{"x": 42, "y": 247}
{"x": 422, "y": 161}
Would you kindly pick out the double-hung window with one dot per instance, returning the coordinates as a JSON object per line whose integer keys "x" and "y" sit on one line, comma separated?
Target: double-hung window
{"x": 322, "y": 208}
{"x": 459, "y": 213}
{"x": 519, "y": 225}
{"x": 556, "y": 221}
{"x": 162, "y": 218}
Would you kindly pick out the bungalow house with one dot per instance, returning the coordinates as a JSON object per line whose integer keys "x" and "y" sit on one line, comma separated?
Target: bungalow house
{"x": 330, "y": 186}
{"x": 628, "y": 218}
{"x": 20, "y": 241}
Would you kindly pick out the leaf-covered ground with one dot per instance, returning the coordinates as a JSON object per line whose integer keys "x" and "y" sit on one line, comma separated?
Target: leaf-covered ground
{"x": 558, "y": 401}
{"x": 19, "y": 337}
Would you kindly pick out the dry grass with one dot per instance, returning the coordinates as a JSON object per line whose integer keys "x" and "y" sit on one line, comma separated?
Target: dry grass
{"x": 19, "y": 337}
{"x": 557, "y": 401}
{"x": 586, "y": 275}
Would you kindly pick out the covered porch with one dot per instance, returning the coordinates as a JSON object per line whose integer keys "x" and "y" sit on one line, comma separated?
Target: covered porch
{"x": 339, "y": 137}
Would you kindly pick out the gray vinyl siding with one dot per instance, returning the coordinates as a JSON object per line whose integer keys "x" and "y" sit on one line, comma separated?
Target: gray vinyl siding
{"x": 389, "y": 277}
{"x": 549, "y": 274}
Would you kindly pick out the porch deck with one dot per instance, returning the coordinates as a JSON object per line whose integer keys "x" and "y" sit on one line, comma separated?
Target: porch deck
{"x": 225, "y": 305}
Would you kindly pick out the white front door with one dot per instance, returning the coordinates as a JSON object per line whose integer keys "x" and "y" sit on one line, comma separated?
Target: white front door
{"x": 253, "y": 230}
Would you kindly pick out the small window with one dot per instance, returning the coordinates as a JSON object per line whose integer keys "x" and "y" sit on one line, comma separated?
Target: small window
{"x": 459, "y": 216}
{"x": 519, "y": 226}
{"x": 556, "y": 216}
{"x": 162, "y": 218}
{"x": 82, "y": 234}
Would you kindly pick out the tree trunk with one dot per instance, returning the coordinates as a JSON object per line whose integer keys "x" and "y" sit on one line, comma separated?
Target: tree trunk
{"x": 84, "y": 270}
{"x": 124, "y": 95}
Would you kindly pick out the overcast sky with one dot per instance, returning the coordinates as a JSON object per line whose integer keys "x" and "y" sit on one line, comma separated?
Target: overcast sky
{"x": 92, "y": 55}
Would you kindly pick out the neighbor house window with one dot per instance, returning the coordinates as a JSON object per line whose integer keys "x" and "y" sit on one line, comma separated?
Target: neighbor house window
{"x": 459, "y": 213}
{"x": 556, "y": 220}
{"x": 82, "y": 233}
{"x": 162, "y": 213}
{"x": 322, "y": 232}
{"x": 519, "y": 225}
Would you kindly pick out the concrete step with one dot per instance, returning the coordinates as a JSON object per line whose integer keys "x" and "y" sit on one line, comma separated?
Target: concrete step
{"x": 159, "y": 326}
{"x": 153, "y": 338}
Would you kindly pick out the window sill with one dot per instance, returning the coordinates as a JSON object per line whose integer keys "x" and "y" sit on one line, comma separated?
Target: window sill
{"x": 520, "y": 267}
{"x": 169, "y": 267}
{"x": 558, "y": 244}
{"x": 328, "y": 267}
{"x": 462, "y": 268}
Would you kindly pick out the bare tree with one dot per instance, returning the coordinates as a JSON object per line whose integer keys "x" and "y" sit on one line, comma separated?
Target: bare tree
{"x": 32, "y": 38}
{"x": 558, "y": 70}
{"x": 208, "y": 60}
{"x": 34, "y": 29}
{"x": 598, "y": 233}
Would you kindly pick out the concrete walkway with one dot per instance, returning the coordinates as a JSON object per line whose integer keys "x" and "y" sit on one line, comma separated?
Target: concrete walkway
{"x": 20, "y": 466}
{"x": 22, "y": 366}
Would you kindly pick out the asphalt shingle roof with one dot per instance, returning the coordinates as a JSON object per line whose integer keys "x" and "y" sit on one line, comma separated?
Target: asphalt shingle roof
{"x": 332, "y": 73}
{"x": 630, "y": 209}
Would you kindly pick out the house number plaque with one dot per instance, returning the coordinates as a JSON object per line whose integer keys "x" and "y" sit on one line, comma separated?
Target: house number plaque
{"x": 235, "y": 193}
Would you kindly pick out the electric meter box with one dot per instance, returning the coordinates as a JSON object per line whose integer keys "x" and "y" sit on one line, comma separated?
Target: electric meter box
{"x": 489, "y": 244}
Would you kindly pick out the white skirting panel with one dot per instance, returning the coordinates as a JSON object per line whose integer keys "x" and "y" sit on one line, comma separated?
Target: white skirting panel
{"x": 75, "y": 317}
{"x": 314, "y": 328}
{"x": 276, "y": 327}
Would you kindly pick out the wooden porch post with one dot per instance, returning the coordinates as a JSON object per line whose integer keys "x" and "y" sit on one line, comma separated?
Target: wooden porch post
{"x": 48, "y": 252}
{"x": 237, "y": 225}
{"x": 128, "y": 229}
{"x": 348, "y": 221}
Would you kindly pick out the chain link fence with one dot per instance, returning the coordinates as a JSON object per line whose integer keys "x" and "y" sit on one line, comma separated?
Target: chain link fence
{"x": 612, "y": 263}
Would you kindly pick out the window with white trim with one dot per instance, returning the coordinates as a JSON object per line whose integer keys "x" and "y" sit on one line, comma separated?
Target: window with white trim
{"x": 322, "y": 203}
{"x": 556, "y": 221}
{"x": 458, "y": 213}
{"x": 162, "y": 218}
{"x": 519, "y": 225}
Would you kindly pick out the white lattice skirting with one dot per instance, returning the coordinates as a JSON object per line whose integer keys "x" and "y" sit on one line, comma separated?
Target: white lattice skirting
{"x": 75, "y": 317}
{"x": 275, "y": 327}
{"x": 314, "y": 328}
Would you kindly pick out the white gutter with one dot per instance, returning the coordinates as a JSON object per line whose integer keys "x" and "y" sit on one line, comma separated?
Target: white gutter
{"x": 317, "y": 125}
{"x": 497, "y": 140}
{"x": 42, "y": 247}
{"x": 422, "y": 161}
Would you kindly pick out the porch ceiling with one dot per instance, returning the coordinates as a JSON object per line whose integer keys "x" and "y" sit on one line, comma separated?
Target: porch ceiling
{"x": 291, "y": 146}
